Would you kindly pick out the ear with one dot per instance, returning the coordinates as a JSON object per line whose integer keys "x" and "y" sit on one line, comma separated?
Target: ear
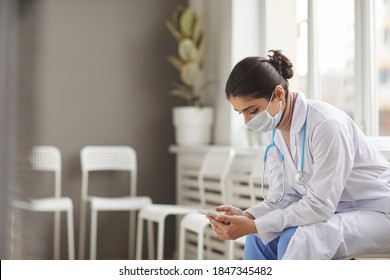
{"x": 279, "y": 92}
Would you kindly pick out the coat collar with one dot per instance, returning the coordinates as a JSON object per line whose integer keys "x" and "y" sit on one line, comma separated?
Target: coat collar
{"x": 299, "y": 114}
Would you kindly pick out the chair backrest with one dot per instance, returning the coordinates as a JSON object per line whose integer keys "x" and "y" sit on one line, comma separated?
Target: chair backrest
{"x": 45, "y": 158}
{"x": 213, "y": 176}
{"x": 255, "y": 179}
{"x": 108, "y": 158}
{"x": 48, "y": 158}
{"x": 246, "y": 180}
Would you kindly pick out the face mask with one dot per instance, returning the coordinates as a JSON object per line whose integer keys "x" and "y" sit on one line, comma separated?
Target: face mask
{"x": 263, "y": 121}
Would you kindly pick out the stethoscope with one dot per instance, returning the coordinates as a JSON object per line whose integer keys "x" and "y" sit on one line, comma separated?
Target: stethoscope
{"x": 301, "y": 178}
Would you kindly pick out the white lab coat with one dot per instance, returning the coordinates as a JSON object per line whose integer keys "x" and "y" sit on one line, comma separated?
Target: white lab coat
{"x": 345, "y": 207}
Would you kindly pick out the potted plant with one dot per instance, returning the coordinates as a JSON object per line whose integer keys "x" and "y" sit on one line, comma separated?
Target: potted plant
{"x": 193, "y": 123}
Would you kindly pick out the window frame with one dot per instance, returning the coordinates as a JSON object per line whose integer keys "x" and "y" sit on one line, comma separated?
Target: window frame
{"x": 366, "y": 112}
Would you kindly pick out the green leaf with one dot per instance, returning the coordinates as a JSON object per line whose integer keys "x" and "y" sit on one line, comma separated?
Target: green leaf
{"x": 181, "y": 93}
{"x": 189, "y": 73}
{"x": 187, "y": 22}
{"x": 198, "y": 30}
{"x": 173, "y": 31}
{"x": 187, "y": 50}
{"x": 201, "y": 54}
{"x": 176, "y": 16}
{"x": 176, "y": 62}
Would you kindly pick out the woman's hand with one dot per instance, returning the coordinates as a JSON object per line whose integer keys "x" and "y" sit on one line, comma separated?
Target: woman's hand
{"x": 233, "y": 224}
{"x": 229, "y": 210}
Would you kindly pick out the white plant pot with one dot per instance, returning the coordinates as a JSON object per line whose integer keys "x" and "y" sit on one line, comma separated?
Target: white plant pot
{"x": 193, "y": 125}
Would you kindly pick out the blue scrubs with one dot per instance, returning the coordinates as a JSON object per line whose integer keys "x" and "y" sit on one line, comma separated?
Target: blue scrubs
{"x": 255, "y": 249}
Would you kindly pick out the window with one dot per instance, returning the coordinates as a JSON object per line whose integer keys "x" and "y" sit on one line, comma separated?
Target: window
{"x": 336, "y": 53}
{"x": 338, "y": 48}
{"x": 382, "y": 11}
{"x": 302, "y": 46}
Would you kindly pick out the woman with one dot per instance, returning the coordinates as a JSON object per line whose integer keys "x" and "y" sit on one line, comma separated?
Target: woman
{"x": 329, "y": 189}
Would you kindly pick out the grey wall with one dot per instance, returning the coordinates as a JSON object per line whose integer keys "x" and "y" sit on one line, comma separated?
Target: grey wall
{"x": 94, "y": 72}
{"x": 8, "y": 91}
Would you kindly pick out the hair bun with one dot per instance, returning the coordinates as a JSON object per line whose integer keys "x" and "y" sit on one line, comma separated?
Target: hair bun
{"x": 281, "y": 63}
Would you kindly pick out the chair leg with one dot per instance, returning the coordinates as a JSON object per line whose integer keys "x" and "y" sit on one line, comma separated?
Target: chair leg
{"x": 83, "y": 213}
{"x": 151, "y": 247}
{"x": 160, "y": 240}
{"x": 231, "y": 249}
{"x": 57, "y": 232}
{"x": 92, "y": 246}
{"x": 182, "y": 239}
{"x": 132, "y": 222}
{"x": 140, "y": 238}
{"x": 200, "y": 244}
{"x": 71, "y": 255}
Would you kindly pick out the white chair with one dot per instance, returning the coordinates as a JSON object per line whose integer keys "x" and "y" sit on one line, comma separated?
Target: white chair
{"x": 255, "y": 196}
{"x": 213, "y": 191}
{"x": 108, "y": 158}
{"x": 255, "y": 179}
{"x": 48, "y": 158}
{"x": 233, "y": 247}
{"x": 217, "y": 161}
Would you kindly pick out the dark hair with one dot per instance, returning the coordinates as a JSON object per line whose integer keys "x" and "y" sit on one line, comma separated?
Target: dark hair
{"x": 258, "y": 76}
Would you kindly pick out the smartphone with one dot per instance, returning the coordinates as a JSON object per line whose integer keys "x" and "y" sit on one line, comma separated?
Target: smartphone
{"x": 212, "y": 214}
{"x": 208, "y": 213}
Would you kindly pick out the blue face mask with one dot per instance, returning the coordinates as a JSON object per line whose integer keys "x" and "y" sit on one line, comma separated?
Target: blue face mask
{"x": 263, "y": 121}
